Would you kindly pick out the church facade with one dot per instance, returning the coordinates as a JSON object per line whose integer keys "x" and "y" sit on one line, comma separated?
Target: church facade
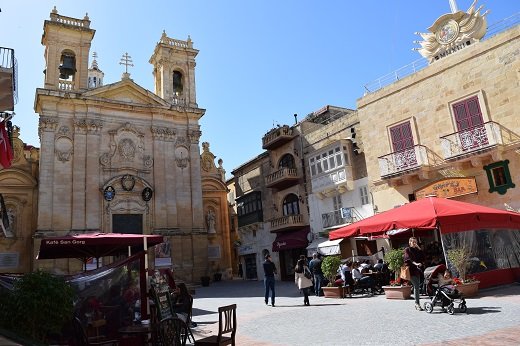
{"x": 119, "y": 158}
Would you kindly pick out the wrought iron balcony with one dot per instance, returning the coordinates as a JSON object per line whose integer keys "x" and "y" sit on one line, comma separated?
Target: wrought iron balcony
{"x": 475, "y": 139}
{"x": 277, "y": 137}
{"x": 282, "y": 178}
{"x": 337, "y": 217}
{"x": 8, "y": 80}
{"x": 417, "y": 157}
{"x": 287, "y": 222}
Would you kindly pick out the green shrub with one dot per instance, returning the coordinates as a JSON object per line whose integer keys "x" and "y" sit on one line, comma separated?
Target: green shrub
{"x": 395, "y": 260}
{"x": 40, "y": 304}
{"x": 329, "y": 267}
{"x": 459, "y": 258}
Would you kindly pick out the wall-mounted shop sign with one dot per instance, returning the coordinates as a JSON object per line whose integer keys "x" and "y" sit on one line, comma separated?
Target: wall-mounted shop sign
{"x": 448, "y": 188}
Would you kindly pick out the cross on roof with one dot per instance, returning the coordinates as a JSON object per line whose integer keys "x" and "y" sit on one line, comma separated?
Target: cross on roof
{"x": 127, "y": 61}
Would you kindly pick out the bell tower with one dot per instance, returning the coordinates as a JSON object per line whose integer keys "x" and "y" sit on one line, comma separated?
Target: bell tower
{"x": 67, "y": 44}
{"x": 174, "y": 71}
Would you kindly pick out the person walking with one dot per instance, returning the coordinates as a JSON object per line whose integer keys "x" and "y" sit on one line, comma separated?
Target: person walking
{"x": 302, "y": 276}
{"x": 315, "y": 267}
{"x": 269, "y": 273}
{"x": 413, "y": 259}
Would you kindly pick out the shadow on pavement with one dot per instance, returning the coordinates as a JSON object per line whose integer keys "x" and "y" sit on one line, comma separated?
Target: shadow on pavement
{"x": 483, "y": 310}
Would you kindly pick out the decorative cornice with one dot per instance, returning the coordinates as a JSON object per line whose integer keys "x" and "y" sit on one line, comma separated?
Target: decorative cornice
{"x": 163, "y": 133}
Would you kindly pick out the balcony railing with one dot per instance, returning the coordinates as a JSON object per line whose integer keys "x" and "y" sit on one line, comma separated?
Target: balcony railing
{"x": 277, "y": 137}
{"x": 66, "y": 85}
{"x": 282, "y": 178}
{"x": 471, "y": 140}
{"x": 420, "y": 64}
{"x": 8, "y": 79}
{"x": 287, "y": 222}
{"x": 399, "y": 162}
{"x": 337, "y": 217}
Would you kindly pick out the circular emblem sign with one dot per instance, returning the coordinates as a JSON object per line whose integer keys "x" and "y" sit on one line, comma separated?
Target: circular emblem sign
{"x": 109, "y": 193}
{"x": 147, "y": 194}
{"x": 448, "y": 32}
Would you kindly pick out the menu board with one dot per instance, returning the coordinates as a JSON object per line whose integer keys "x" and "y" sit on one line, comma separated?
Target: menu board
{"x": 164, "y": 307}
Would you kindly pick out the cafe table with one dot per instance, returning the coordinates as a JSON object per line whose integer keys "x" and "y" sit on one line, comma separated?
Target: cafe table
{"x": 135, "y": 334}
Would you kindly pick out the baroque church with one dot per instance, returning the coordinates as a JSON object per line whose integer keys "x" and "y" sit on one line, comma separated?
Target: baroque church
{"x": 118, "y": 158}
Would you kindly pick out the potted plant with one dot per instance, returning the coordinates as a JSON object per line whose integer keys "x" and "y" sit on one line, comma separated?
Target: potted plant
{"x": 329, "y": 266}
{"x": 459, "y": 259}
{"x": 397, "y": 288}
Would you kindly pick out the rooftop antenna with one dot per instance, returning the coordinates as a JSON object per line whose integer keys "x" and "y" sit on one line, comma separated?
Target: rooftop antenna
{"x": 453, "y": 6}
{"x": 295, "y": 118}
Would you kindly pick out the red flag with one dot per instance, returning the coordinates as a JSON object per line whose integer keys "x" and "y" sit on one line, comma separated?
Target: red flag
{"x": 6, "y": 152}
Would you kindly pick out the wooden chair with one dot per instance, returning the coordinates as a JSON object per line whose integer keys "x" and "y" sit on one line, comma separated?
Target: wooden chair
{"x": 227, "y": 324}
{"x": 83, "y": 340}
{"x": 172, "y": 332}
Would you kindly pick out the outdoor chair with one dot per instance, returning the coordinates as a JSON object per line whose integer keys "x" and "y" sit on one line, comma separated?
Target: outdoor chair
{"x": 172, "y": 332}
{"x": 227, "y": 324}
{"x": 82, "y": 339}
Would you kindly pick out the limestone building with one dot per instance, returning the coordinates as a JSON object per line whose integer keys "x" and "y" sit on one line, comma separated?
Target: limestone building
{"x": 451, "y": 129}
{"x": 118, "y": 158}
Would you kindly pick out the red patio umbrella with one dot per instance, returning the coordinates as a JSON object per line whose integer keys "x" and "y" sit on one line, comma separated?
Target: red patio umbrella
{"x": 429, "y": 213}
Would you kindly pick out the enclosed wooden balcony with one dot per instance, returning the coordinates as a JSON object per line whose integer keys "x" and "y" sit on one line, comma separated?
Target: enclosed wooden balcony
{"x": 287, "y": 222}
{"x": 416, "y": 160}
{"x": 282, "y": 178}
{"x": 277, "y": 137}
{"x": 8, "y": 80}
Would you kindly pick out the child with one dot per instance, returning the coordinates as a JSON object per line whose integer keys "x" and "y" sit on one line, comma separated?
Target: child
{"x": 446, "y": 284}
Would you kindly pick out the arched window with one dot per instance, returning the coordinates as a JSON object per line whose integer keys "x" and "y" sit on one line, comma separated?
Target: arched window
{"x": 291, "y": 205}
{"x": 287, "y": 161}
{"x": 177, "y": 82}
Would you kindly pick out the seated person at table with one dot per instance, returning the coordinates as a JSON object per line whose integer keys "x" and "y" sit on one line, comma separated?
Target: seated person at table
{"x": 346, "y": 275}
{"x": 360, "y": 280}
{"x": 365, "y": 266}
{"x": 181, "y": 301}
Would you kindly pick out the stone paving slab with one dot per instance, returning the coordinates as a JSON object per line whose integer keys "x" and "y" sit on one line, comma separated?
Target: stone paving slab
{"x": 493, "y": 318}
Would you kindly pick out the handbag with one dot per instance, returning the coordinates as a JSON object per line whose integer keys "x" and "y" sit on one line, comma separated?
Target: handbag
{"x": 405, "y": 273}
{"x": 307, "y": 273}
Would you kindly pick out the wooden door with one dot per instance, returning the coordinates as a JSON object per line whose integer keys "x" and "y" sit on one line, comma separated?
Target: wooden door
{"x": 470, "y": 124}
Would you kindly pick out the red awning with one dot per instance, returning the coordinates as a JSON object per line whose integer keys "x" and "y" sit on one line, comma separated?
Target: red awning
{"x": 94, "y": 245}
{"x": 428, "y": 213}
{"x": 291, "y": 240}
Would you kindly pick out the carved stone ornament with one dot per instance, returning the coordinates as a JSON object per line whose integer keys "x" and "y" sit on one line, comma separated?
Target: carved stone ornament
{"x": 147, "y": 194}
{"x": 128, "y": 182}
{"x": 109, "y": 193}
{"x": 452, "y": 32}
{"x": 63, "y": 148}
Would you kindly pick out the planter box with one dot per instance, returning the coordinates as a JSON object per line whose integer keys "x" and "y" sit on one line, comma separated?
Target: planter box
{"x": 398, "y": 292}
{"x": 333, "y": 292}
{"x": 469, "y": 289}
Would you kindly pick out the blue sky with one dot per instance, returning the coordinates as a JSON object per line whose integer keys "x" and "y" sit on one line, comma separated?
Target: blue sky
{"x": 259, "y": 63}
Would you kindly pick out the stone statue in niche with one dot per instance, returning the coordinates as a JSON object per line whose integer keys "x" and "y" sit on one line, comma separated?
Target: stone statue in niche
{"x": 210, "y": 218}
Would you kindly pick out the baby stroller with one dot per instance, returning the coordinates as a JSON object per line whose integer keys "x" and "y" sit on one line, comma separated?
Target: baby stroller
{"x": 445, "y": 296}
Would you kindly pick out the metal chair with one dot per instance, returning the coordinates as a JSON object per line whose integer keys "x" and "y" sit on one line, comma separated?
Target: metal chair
{"x": 227, "y": 324}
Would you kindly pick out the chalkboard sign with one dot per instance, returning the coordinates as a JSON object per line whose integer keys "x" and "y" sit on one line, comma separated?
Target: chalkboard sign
{"x": 163, "y": 303}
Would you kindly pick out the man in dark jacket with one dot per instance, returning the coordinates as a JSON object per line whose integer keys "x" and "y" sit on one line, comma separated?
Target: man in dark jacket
{"x": 269, "y": 273}
{"x": 315, "y": 268}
